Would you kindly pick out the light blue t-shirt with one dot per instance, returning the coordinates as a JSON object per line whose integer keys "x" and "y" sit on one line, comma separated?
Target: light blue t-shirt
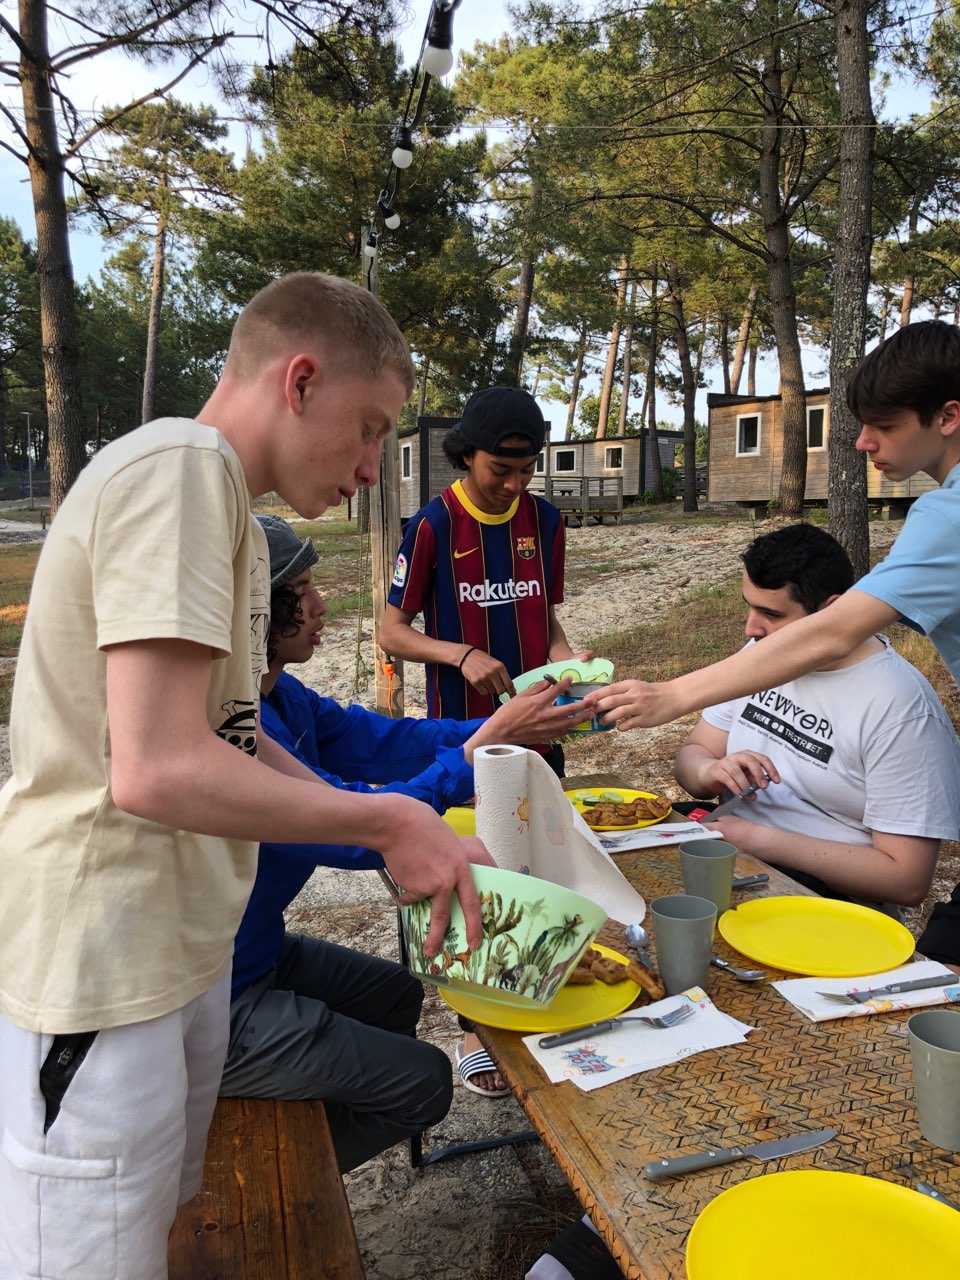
{"x": 920, "y": 577}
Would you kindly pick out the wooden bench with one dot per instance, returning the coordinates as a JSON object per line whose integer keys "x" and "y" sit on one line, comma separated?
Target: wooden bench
{"x": 273, "y": 1204}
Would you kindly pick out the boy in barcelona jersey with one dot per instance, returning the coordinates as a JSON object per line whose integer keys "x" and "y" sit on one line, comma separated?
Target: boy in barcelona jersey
{"x": 483, "y": 563}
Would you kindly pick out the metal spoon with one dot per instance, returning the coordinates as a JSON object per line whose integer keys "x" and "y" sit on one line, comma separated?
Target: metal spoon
{"x": 636, "y": 936}
{"x": 741, "y": 975}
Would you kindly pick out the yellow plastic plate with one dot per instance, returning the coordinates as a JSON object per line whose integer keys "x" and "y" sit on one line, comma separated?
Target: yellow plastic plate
{"x": 571, "y": 1007}
{"x": 463, "y": 819}
{"x": 577, "y": 799}
{"x": 819, "y": 937}
{"x": 815, "y": 1224}
{"x": 592, "y": 671}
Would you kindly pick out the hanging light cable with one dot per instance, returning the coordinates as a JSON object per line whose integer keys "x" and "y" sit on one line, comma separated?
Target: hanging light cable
{"x": 435, "y": 60}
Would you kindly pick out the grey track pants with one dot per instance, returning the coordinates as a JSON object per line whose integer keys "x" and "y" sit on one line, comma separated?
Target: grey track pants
{"x": 333, "y": 1023}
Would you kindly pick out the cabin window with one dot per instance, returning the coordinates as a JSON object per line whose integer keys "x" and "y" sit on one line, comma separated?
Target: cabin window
{"x": 406, "y": 461}
{"x": 565, "y": 460}
{"x": 613, "y": 458}
{"x": 541, "y": 464}
{"x": 748, "y": 434}
{"x": 816, "y": 426}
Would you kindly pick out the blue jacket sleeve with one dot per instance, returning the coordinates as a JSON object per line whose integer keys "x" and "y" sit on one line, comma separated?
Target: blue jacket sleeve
{"x": 447, "y": 779}
{"x": 359, "y": 745}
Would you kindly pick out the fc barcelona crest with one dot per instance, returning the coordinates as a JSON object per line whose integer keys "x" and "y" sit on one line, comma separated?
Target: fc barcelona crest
{"x": 526, "y": 548}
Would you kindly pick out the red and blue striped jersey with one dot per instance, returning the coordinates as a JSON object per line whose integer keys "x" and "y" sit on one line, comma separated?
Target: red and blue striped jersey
{"x": 483, "y": 580}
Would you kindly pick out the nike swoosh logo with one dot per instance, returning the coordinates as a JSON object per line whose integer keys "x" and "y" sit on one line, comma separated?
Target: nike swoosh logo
{"x": 458, "y": 555}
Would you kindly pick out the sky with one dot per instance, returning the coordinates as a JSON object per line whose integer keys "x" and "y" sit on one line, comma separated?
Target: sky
{"x": 114, "y": 77}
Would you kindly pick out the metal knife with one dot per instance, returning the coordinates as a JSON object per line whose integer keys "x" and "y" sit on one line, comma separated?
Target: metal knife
{"x": 729, "y": 805}
{"x": 745, "y": 882}
{"x": 592, "y": 1028}
{"x": 656, "y": 1170}
{"x": 893, "y": 988}
{"x": 925, "y": 1189}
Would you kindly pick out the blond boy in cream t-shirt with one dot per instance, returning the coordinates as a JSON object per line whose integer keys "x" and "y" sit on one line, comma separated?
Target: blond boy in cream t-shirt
{"x": 141, "y": 787}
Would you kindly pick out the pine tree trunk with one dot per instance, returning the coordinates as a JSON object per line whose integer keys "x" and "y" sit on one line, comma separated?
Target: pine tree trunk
{"x": 606, "y": 387}
{"x": 577, "y": 375}
{"x": 521, "y": 317}
{"x": 422, "y": 390}
{"x": 147, "y": 413}
{"x": 746, "y": 320}
{"x": 906, "y": 303}
{"x": 689, "y": 383}
{"x": 783, "y": 302}
{"x": 58, "y": 318}
{"x": 723, "y": 350}
{"x": 653, "y": 439}
{"x": 847, "y": 468}
{"x": 627, "y": 362}
{"x": 4, "y": 405}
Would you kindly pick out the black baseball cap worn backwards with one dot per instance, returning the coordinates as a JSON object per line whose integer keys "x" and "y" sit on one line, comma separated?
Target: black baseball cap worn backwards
{"x": 496, "y": 413}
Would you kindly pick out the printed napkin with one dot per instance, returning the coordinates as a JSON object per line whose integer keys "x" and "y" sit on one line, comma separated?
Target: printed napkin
{"x": 596, "y": 1060}
{"x": 647, "y": 837}
{"x": 802, "y": 992}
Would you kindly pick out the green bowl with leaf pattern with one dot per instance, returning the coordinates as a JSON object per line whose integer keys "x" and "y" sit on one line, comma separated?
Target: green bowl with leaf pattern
{"x": 534, "y": 932}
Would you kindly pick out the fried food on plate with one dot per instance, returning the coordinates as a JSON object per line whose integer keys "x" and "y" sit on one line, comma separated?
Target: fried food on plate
{"x": 625, "y": 813}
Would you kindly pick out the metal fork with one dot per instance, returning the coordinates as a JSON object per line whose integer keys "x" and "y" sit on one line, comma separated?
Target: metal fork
{"x": 672, "y": 1018}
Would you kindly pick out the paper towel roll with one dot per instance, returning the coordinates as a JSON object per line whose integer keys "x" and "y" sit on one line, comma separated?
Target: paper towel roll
{"x": 501, "y": 781}
{"x": 528, "y": 824}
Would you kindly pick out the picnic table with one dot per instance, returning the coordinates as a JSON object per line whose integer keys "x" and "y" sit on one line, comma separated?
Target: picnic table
{"x": 791, "y": 1075}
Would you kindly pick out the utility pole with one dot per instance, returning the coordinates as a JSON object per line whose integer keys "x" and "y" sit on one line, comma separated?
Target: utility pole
{"x": 29, "y": 459}
{"x": 384, "y": 540}
{"x": 436, "y": 60}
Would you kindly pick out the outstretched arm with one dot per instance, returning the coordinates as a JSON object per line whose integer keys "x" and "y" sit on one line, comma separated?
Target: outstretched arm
{"x": 806, "y": 645}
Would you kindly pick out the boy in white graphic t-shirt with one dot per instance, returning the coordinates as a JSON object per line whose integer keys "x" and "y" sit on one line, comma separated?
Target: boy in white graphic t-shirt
{"x": 857, "y": 762}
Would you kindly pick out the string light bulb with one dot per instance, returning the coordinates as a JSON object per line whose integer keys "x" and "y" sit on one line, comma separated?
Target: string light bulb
{"x": 438, "y": 55}
{"x": 391, "y": 219}
{"x": 403, "y": 149}
{"x": 370, "y": 248}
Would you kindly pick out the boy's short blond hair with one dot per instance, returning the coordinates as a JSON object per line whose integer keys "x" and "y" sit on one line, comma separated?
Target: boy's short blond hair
{"x": 355, "y": 334}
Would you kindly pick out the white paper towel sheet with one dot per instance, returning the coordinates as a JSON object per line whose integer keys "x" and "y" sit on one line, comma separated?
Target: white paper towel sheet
{"x": 528, "y": 824}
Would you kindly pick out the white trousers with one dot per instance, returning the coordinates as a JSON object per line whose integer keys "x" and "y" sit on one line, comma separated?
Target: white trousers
{"x": 94, "y": 1197}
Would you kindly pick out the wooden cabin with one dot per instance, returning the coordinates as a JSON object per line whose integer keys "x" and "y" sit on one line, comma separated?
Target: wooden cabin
{"x": 745, "y": 452}
{"x": 581, "y": 477}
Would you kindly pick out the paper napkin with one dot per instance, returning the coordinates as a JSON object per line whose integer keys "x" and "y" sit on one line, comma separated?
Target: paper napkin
{"x": 628, "y": 1050}
{"x": 802, "y": 992}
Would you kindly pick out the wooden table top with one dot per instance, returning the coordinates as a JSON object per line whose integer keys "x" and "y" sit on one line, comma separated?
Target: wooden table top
{"x": 791, "y": 1075}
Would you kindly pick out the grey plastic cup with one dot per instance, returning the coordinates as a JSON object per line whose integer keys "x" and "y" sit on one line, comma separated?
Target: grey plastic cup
{"x": 683, "y": 928}
{"x": 708, "y": 870}
{"x": 935, "y": 1050}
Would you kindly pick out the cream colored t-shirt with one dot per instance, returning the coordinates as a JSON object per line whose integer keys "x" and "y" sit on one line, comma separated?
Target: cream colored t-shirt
{"x": 107, "y": 919}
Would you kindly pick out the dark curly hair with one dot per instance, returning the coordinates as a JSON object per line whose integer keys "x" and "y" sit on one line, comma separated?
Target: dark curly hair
{"x": 286, "y": 617}
{"x": 456, "y": 449}
{"x": 806, "y": 560}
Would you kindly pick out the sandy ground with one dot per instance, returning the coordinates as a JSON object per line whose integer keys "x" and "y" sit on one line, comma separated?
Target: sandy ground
{"x": 486, "y": 1216}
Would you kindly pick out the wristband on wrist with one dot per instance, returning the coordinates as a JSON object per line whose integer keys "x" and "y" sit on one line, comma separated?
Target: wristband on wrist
{"x": 465, "y": 657}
